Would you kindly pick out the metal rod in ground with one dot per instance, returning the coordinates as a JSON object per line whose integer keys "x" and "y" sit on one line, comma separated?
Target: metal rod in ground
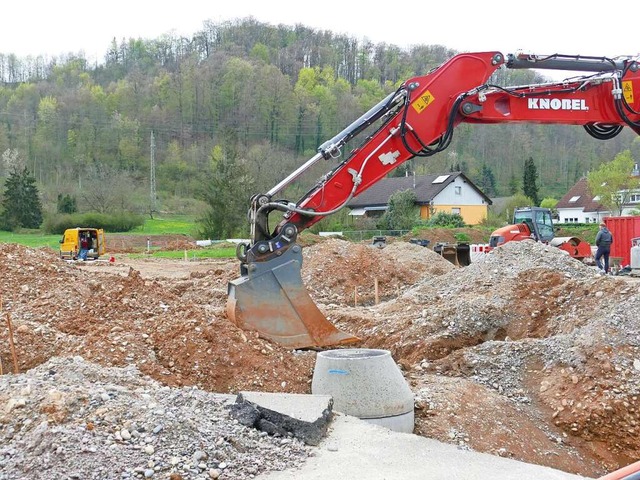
{"x": 12, "y": 345}
{"x": 1, "y": 367}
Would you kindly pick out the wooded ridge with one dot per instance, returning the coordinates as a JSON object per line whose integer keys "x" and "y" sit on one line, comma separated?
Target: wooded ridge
{"x": 237, "y": 107}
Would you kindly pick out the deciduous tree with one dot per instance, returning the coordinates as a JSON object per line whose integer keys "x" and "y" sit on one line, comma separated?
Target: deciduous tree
{"x": 227, "y": 193}
{"x": 612, "y": 182}
{"x": 402, "y": 213}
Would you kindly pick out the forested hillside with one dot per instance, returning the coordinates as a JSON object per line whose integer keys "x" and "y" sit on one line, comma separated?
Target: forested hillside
{"x": 235, "y": 108}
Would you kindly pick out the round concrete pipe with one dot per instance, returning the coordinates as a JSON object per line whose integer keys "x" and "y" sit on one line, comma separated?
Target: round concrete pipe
{"x": 365, "y": 383}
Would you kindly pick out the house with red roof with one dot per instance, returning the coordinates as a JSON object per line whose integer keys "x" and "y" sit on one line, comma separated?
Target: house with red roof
{"x": 578, "y": 205}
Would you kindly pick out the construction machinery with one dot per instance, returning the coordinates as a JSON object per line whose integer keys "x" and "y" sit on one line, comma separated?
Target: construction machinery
{"x": 416, "y": 120}
{"x": 536, "y": 223}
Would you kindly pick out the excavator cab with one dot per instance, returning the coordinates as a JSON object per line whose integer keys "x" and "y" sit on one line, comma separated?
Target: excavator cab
{"x": 539, "y": 220}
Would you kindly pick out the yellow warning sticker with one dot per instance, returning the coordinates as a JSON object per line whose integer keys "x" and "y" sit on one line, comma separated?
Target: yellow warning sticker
{"x": 627, "y": 91}
{"x": 423, "y": 101}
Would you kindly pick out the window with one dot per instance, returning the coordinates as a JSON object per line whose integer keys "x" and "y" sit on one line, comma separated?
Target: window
{"x": 458, "y": 190}
{"x": 441, "y": 179}
{"x": 455, "y": 210}
{"x": 574, "y": 199}
{"x": 634, "y": 198}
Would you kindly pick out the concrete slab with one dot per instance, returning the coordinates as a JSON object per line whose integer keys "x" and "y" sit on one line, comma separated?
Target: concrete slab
{"x": 356, "y": 449}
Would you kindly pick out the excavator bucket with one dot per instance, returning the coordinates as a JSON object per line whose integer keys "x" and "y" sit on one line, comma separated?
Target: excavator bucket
{"x": 269, "y": 298}
{"x": 457, "y": 253}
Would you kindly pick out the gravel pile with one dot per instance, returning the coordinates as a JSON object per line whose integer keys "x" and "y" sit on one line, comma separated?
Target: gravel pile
{"x": 70, "y": 419}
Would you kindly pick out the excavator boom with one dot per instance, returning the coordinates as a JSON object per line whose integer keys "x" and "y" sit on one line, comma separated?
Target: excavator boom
{"x": 416, "y": 120}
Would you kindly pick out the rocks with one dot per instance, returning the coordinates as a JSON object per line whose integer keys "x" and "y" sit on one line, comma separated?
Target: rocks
{"x": 198, "y": 439}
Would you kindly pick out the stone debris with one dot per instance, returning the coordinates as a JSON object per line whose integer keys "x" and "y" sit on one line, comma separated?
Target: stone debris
{"x": 68, "y": 418}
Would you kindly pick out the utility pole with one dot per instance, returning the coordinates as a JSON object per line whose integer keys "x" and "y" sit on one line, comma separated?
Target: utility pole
{"x": 152, "y": 173}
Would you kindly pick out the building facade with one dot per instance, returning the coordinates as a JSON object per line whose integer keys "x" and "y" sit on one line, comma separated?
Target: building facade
{"x": 448, "y": 193}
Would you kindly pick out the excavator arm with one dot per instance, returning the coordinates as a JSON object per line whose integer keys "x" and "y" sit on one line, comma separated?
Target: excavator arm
{"x": 418, "y": 120}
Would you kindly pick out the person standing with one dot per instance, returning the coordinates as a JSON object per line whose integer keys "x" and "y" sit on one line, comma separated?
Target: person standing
{"x": 604, "y": 239}
{"x": 84, "y": 246}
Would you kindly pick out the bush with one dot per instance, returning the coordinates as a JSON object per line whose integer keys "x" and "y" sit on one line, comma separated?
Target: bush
{"x": 448, "y": 220}
{"x": 402, "y": 213}
{"x": 67, "y": 204}
{"x": 111, "y": 223}
{"x": 493, "y": 220}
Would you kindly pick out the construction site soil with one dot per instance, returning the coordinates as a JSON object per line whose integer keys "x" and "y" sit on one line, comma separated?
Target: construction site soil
{"x": 526, "y": 353}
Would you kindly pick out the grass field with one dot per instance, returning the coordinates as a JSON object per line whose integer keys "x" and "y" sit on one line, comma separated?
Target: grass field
{"x": 178, "y": 224}
{"x": 207, "y": 252}
{"x": 174, "y": 224}
{"x": 31, "y": 239}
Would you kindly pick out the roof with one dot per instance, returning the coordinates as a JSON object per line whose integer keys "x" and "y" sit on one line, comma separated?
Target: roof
{"x": 426, "y": 188}
{"x": 579, "y": 196}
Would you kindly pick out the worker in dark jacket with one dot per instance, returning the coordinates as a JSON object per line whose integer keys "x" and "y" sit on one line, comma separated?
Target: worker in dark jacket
{"x": 604, "y": 239}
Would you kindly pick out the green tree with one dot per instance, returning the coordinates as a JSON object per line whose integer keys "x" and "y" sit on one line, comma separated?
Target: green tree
{"x": 529, "y": 181}
{"x": 402, "y": 213}
{"x": 548, "y": 202}
{"x": 514, "y": 185}
{"x": 67, "y": 204}
{"x": 487, "y": 182}
{"x": 21, "y": 204}
{"x": 227, "y": 193}
{"x": 447, "y": 220}
{"x": 612, "y": 182}
{"x": 517, "y": 201}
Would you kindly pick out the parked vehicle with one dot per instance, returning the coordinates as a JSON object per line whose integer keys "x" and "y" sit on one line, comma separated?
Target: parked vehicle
{"x": 71, "y": 242}
{"x": 536, "y": 223}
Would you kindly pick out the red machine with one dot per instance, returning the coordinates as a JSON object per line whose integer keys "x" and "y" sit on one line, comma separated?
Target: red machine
{"x": 536, "y": 223}
{"x": 416, "y": 120}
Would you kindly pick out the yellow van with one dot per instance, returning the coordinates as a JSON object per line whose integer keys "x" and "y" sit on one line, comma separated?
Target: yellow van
{"x": 74, "y": 237}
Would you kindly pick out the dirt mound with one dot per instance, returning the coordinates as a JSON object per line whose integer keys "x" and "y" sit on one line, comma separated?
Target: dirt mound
{"x": 139, "y": 243}
{"x": 64, "y": 309}
{"x": 527, "y": 354}
{"x": 342, "y": 272}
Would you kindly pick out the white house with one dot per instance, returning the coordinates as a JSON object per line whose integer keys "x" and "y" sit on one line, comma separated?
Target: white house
{"x": 580, "y": 206}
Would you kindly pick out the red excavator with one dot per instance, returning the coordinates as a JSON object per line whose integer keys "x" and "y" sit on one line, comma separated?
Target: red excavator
{"x": 536, "y": 223}
{"x": 417, "y": 120}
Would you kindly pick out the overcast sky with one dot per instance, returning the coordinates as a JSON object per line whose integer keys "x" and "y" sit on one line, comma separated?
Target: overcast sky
{"x": 51, "y": 27}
